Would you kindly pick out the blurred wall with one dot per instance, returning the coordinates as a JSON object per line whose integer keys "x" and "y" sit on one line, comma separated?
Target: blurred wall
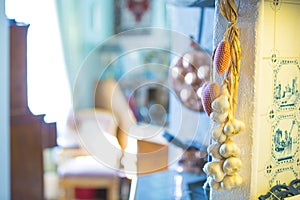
{"x": 4, "y": 106}
{"x": 186, "y": 124}
{"x": 85, "y": 25}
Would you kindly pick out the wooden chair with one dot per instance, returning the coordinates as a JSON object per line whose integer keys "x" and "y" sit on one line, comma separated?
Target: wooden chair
{"x": 141, "y": 154}
{"x": 86, "y": 172}
{"x": 89, "y": 173}
{"x": 83, "y": 167}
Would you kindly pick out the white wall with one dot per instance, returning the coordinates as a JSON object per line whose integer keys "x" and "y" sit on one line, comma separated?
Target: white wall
{"x": 4, "y": 107}
{"x": 247, "y": 20}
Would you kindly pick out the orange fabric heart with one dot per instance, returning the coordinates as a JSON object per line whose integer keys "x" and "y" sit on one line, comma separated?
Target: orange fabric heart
{"x": 222, "y": 57}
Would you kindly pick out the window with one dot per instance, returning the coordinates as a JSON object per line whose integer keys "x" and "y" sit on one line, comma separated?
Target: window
{"x": 48, "y": 86}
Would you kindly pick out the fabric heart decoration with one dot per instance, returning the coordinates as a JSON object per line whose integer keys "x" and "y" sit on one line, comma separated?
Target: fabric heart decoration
{"x": 222, "y": 57}
{"x": 209, "y": 93}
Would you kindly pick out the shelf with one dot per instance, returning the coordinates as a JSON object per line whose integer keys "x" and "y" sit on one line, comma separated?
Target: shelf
{"x": 192, "y": 3}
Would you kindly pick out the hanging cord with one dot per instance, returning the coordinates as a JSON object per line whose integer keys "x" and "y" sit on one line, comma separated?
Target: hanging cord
{"x": 230, "y": 12}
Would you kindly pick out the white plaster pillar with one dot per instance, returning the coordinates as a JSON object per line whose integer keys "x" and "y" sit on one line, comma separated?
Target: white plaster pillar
{"x": 269, "y": 95}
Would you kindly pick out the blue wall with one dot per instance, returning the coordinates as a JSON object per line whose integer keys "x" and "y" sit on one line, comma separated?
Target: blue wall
{"x": 81, "y": 25}
{"x": 84, "y": 26}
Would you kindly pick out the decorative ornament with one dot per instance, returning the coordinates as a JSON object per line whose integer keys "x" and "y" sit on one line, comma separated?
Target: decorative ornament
{"x": 223, "y": 170}
{"x": 138, "y": 8}
{"x": 210, "y": 91}
{"x": 222, "y": 57}
{"x": 188, "y": 75}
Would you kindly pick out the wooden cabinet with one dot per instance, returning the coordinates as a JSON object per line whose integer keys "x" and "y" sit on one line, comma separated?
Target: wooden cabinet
{"x": 29, "y": 134}
{"x": 152, "y": 157}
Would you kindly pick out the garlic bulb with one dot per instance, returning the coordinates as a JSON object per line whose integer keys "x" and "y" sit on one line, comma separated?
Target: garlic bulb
{"x": 214, "y": 170}
{"x": 218, "y": 135}
{"x": 221, "y": 104}
{"x": 233, "y": 126}
{"x": 215, "y": 185}
{"x": 229, "y": 148}
{"x": 219, "y": 117}
{"x": 231, "y": 181}
{"x": 229, "y": 129}
{"x": 232, "y": 165}
{"x": 213, "y": 150}
{"x": 238, "y": 125}
{"x": 222, "y": 138}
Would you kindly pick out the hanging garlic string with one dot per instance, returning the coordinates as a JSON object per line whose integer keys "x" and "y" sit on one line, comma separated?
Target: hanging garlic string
{"x": 230, "y": 12}
{"x": 223, "y": 170}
